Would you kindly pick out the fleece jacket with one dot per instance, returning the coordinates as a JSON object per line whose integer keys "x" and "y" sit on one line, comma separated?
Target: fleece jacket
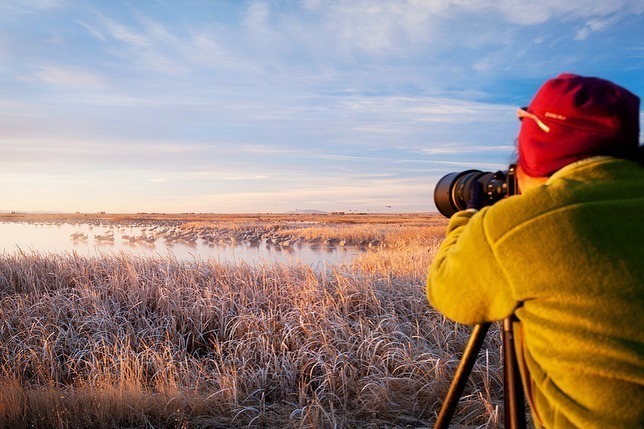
{"x": 567, "y": 258}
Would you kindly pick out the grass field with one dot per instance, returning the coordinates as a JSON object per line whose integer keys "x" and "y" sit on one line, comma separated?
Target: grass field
{"x": 126, "y": 342}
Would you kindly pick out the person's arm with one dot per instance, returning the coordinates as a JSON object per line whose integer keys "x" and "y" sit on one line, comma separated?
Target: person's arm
{"x": 466, "y": 282}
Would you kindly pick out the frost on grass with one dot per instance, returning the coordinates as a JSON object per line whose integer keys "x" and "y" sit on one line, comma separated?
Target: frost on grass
{"x": 133, "y": 342}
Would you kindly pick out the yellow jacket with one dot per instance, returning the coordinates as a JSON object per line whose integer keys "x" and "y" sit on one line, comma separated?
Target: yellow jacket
{"x": 568, "y": 259}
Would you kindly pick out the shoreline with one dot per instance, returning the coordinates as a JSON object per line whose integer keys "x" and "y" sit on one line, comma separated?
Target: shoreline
{"x": 423, "y": 218}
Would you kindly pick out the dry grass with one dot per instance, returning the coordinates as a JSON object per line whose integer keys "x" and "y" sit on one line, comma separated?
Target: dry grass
{"x": 272, "y": 218}
{"x": 123, "y": 342}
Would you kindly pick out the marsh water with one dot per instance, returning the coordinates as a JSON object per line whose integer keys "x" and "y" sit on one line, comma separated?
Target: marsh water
{"x": 87, "y": 239}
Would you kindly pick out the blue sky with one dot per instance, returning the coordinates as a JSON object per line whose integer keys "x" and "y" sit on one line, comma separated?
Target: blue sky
{"x": 273, "y": 106}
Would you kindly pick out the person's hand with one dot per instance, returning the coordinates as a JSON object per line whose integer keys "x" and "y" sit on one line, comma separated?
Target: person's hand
{"x": 475, "y": 201}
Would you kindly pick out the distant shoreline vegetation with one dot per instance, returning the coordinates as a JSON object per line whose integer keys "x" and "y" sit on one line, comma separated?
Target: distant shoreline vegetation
{"x": 156, "y": 342}
{"x": 294, "y": 216}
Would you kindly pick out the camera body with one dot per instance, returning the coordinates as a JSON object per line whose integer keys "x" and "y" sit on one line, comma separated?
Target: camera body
{"x": 452, "y": 192}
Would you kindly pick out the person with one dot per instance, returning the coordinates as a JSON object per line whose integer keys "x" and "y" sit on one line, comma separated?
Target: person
{"x": 565, "y": 256}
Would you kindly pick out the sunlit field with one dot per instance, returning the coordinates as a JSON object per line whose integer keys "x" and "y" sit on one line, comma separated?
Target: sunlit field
{"x": 129, "y": 342}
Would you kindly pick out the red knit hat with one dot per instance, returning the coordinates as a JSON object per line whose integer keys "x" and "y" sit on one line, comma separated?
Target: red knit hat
{"x": 574, "y": 117}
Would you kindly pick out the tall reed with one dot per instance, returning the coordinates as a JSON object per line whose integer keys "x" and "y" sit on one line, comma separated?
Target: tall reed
{"x": 123, "y": 341}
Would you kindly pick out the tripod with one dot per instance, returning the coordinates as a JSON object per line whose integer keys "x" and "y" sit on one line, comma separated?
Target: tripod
{"x": 512, "y": 388}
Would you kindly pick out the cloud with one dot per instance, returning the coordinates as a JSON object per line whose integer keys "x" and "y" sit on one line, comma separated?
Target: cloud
{"x": 125, "y": 34}
{"x": 93, "y": 30}
{"x": 149, "y": 46}
{"x": 68, "y": 76}
{"x": 256, "y": 177}
{"x": 374, "y": 27}
{"x": 533, "y": 13}
{"x": 29, "y": 6}
{"x": 384, "y": 27}
{"x": 595, "y": 25}
{"x": 402, "y": 194}
{"x": 256, "y": 16}
{"x": 465, "y": 148}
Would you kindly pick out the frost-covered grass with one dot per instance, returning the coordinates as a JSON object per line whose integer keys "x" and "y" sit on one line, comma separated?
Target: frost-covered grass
{"x": 131, "y": 342}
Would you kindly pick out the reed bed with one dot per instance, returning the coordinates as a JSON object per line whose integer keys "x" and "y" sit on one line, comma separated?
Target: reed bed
{"x": 127, "y": 342}
{"x": 377, "y": 235}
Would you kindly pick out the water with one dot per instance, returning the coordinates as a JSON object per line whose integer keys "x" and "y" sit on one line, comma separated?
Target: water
{"x": 107, "y": 239}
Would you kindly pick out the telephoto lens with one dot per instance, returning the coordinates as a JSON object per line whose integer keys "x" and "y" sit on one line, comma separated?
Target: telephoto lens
{"x": 452, "y": 192}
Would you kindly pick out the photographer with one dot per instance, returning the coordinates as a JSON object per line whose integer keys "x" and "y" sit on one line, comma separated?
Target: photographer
{"x": 566, "y": 257}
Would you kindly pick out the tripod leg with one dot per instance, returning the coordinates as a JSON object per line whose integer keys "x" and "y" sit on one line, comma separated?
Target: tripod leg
{"x": 461, "y": 376}
{"x": 512, "y": 386}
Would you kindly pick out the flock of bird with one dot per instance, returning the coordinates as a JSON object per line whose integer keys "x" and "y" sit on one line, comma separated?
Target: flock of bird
{"x": 251, "y": 235}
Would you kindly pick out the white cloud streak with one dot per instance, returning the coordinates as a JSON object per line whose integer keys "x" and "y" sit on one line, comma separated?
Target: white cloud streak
{"x": 67, "y": 76}
{"x": 385, "y": 26}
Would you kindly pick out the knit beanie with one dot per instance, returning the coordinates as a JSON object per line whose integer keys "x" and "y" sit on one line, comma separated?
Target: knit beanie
{"x": 574, "y": 117}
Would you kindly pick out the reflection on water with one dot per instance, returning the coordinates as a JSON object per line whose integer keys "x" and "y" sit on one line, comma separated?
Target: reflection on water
{"x": 162, "y": 241}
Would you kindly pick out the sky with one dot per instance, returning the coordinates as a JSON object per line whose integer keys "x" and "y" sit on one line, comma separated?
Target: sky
{"x": 233, "y": 106}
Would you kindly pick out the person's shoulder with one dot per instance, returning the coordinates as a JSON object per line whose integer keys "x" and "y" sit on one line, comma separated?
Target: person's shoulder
{"x": 599, "y": 167}
{"x": 511, "y": 213}
{"x": 598, "y": 179}
{"x": 517, "y": 211}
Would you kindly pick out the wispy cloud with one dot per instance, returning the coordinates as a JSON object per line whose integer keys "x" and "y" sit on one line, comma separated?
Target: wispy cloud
{"x": 123, "y": 33}
{"x": 464, "y": 148}
{"x": 257, "y": 177}
{"x": 29, "y": 6}
{"x": 67, "y": 76}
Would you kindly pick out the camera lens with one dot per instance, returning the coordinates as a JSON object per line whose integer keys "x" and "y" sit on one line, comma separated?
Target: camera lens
{"x": 452, "y": 192}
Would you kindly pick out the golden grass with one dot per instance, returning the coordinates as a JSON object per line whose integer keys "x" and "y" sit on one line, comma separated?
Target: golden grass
{"x": 126, "y": 342}
{"x": 273, "y": 218}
